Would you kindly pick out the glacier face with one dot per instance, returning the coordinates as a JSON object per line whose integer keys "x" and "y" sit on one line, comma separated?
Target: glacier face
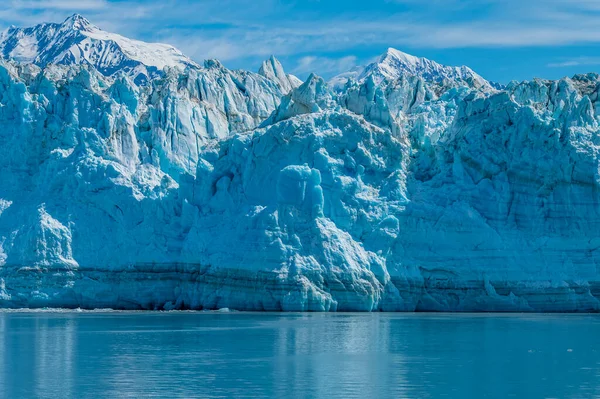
{"x": 425, "y": 189}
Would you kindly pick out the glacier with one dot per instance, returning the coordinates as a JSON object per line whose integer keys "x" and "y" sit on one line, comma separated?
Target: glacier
{"x": 404, "y": 185}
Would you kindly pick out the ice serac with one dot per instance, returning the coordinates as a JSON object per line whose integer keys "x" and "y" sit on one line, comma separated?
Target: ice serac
{"x": 273, "y": 70}
{"x": 78, "y": 41}
{"x": 210, "y": 188}
{"x": 310, "y": 97}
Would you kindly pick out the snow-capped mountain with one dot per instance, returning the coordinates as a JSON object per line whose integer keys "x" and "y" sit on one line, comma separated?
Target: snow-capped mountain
{"x": 394, "y": 64}
{"x": 77, "y": 41}
{"x": 412, "y": 187}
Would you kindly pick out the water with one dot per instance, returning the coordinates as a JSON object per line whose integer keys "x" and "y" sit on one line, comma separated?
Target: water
{"x": 215, "y": 355}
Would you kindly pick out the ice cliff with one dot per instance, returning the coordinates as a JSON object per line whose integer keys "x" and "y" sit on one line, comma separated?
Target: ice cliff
{"x": 407, "y": 186}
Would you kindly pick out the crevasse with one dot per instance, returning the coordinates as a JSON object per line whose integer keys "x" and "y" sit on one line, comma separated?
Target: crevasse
{"x": 407, "y": 186}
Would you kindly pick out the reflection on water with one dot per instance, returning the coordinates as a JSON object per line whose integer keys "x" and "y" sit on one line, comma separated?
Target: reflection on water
{"x": 78, "y": 355}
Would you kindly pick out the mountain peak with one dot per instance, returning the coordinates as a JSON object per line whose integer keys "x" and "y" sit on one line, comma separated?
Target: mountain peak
{"x": 77, "y": 41}
{"x": 399, "y": 55}
{"x": 213, "y": 63}
{"x": 77, "y": 22}
{"x": 395, "y": 64}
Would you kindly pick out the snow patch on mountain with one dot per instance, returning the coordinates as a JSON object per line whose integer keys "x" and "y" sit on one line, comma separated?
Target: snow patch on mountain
{"x": 394, "y": 64}
{"x": 77, "y": 41}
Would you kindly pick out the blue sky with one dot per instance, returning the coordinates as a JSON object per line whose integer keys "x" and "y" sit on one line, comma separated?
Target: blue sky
{"x": 500, "y": 39}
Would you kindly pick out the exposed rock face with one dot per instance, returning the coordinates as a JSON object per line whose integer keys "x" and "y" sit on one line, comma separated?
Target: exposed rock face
{"x": 395, "y": 64}
{"x": 77, "y": 41}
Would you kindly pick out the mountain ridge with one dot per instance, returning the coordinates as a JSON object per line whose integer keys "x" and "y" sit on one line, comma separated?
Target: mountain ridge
{"x": 77, "y": 41}
{"x": 395, "y": 64}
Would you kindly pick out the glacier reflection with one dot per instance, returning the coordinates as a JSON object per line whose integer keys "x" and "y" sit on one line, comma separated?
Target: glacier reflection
{"x": 184, "y": 354}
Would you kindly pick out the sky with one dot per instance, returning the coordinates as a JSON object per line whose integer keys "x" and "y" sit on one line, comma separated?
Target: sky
{"x": 502, "y": 40}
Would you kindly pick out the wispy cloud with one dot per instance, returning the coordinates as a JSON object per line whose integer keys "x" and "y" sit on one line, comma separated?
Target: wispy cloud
{"x": 56, "y": 4}
{"x": 579, "y": 61}
{"x": 312, "y": 31}
{"x": 324, "y": 65}
{"x": 260, "y": 24}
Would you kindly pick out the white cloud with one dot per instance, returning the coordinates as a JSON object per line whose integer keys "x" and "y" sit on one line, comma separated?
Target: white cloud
{"x": 237, "y": 29}
{"x": 57, "y": 4}
{"x": 324, "y": 65}
{"x": 579, "y": 61}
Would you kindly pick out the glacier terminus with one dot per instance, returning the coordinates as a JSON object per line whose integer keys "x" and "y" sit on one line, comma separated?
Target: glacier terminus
{"x": 132, "y": 177}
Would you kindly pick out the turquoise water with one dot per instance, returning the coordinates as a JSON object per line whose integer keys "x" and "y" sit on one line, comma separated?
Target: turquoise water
{"x": 215, "y": 355}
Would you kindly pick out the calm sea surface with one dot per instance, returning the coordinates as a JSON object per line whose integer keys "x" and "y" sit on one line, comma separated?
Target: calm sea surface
{"x": 243, "y": 355}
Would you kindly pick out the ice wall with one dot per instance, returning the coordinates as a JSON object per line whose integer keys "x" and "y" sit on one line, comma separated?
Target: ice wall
{"x": 403, "y": 195}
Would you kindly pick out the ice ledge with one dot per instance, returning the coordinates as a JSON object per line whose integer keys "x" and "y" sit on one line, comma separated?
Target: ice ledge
{"x": 188, "y": 286}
